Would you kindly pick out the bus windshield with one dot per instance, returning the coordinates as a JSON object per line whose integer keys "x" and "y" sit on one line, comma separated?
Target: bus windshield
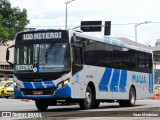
{"x": 49, "y": 57}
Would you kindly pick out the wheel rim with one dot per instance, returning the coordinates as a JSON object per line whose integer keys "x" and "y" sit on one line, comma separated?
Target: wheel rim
{"x": 88, "y": 98}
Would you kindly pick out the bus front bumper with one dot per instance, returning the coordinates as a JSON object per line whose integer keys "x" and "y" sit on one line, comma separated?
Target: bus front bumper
{"x": 64, "y": 92}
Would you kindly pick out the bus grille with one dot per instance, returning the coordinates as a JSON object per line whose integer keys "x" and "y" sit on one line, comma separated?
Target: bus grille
{"x": 45, "y": 91}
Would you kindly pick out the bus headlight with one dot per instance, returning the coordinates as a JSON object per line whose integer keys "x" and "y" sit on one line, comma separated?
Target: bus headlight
{"x": 66, "y": 82}
{"x": 62, "y": 84}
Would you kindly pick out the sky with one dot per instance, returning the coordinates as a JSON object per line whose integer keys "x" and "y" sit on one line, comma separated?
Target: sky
{"x": 123, "y": 14}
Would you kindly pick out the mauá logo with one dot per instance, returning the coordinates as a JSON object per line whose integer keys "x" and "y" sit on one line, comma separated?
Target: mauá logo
{"x": 139, "y": 79}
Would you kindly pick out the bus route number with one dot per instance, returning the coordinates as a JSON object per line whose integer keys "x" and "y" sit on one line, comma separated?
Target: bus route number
{"x": 44, "y": 35}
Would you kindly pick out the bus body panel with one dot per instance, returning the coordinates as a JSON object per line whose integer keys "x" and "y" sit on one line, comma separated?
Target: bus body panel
{"x": 79, "y": 86}
{"x": 112, "y": 83}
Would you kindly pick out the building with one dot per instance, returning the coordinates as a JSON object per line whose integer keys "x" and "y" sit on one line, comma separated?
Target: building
{"x": 6, "y": 68}
{"x": 158, "y": 42}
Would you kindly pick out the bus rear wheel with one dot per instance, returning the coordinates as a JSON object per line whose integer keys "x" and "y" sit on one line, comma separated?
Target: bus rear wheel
{"x": 87, "y": 102}
{"x": 41, "y": 104}
{"x": 131, "y": 101}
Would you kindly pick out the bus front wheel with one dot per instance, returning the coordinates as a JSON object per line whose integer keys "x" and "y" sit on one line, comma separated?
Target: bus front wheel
{"x": 86, "y": 103}
{"x": 41, "y": 105}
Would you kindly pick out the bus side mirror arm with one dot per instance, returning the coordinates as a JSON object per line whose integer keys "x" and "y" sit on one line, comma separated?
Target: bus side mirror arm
{"x": 8, "y": 54}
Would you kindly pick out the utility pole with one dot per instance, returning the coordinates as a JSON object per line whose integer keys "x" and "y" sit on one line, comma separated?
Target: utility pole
{"x": 66, "y": 12}
{"x": 136, "y": 25}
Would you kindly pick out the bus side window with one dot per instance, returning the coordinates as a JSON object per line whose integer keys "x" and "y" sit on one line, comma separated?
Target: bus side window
{"x": 77, "y": 56}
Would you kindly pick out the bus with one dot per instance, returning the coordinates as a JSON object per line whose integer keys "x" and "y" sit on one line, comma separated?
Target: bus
{"x": 68, "y": 65}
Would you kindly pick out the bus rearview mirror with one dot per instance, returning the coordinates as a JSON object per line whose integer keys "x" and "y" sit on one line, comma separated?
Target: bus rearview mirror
{"x": 7, "y": 55}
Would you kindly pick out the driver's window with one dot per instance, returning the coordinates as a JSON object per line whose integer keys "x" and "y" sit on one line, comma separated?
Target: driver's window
{"x": 78, "y": 59}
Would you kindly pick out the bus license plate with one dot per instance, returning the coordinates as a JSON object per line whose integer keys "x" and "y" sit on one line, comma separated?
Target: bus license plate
{"x": 37, "y": 92}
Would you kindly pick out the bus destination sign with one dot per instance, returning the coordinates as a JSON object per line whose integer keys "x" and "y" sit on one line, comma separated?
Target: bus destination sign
{"x": 42, "y": 35}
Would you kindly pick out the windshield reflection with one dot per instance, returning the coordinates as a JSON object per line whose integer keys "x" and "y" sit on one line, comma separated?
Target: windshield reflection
{"x": 53, "y": 56}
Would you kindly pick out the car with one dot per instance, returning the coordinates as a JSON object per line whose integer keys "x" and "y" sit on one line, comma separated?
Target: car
{"x": 4, "y": 85}
{"x": 9, "y": 91}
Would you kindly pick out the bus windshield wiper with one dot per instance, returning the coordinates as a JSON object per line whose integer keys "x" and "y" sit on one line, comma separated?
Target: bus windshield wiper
{"x": 48, "y": 51}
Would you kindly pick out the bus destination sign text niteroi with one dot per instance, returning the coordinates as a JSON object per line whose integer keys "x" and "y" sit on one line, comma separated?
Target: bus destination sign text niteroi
{"x": 44, "y": 35}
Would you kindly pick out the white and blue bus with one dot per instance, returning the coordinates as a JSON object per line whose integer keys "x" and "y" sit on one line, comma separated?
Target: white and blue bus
{"x": 51, "y": 66}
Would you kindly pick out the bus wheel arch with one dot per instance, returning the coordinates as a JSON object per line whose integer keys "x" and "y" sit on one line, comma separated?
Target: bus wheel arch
{"x": 92, "y": 86}
{"x": 90, "y": 97}
{"x": 132, "y": 98}
{"x": 134, "y": 90}
{"x": 95, "y": 103}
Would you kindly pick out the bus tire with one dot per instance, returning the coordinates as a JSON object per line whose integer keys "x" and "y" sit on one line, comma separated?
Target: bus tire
{"x": 131, "y": 101}
{"x": 96, "y": 104}
{"x": 41, "y": 105}
{"x": 86, "y": 103}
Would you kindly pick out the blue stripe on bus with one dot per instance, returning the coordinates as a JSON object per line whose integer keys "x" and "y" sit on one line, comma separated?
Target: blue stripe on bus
{"x": 49, "y": 84}
{"x": 122, "y": 44}
{"x": 114, "y": 82}
{"x": 107, "y": 40}
{"x": 123, "y": 80}
{"x": 38, "y": 85}
{"x": 28, "y": 85}
{"x": 150, "y": 83}
{"x": 115, "y": 42}
{"x": 105, "y": 80}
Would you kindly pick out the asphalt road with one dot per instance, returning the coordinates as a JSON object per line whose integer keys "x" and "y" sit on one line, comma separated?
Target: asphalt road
{"x": 111, "y": 110}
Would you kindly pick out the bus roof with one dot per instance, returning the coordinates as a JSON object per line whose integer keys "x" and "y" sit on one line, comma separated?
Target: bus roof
{"x": 112, "y": 41}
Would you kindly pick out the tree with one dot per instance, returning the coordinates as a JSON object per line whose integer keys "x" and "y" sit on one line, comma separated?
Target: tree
{"x": 12, "y": 20}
